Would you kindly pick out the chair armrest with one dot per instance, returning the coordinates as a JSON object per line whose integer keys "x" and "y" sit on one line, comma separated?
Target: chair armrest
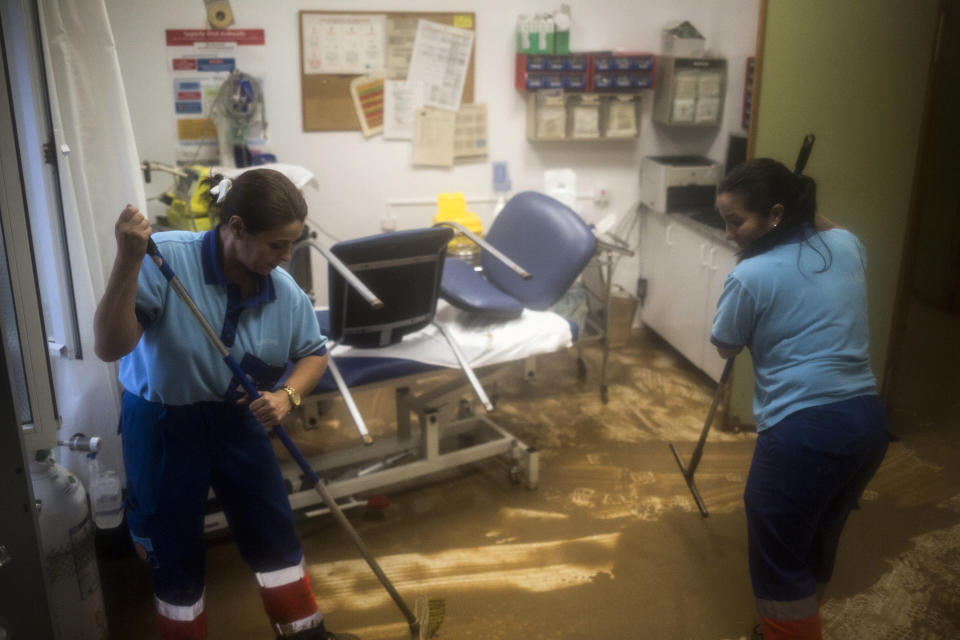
{"x": 486, "y": 246}
{"x": 348, "y": 275}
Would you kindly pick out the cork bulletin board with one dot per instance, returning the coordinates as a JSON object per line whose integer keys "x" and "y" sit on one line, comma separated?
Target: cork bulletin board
{"x": 326, "y": 101}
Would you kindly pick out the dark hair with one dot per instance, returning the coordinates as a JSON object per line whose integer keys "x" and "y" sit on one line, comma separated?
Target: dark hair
{"x": 763, "y": 183}
{"x": 262, "y": 198}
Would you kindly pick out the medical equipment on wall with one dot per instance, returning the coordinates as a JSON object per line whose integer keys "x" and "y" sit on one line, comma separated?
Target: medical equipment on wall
{"x": 189, "y": 206}
{"x": 239, "y": 115}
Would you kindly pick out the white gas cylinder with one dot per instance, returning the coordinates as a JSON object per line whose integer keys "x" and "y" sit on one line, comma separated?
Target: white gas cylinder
{"x": 69, "y": 554}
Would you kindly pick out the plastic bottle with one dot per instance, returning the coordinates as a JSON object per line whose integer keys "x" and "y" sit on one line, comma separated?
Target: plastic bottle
{"x": 106, "y": 498}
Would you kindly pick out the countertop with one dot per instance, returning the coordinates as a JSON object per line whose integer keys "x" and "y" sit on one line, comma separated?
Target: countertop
{"x": 694, "y": 220}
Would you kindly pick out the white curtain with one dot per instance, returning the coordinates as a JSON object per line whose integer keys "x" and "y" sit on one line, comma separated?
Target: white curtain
{"x": 99, "y": 174}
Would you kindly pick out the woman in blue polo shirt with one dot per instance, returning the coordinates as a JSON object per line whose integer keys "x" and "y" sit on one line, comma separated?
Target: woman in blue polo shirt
{"x": 185, "y": 426}
{"x": 797, "y": 300}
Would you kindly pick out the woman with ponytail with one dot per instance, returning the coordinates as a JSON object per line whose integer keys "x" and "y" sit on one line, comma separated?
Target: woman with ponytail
{"x": 797, "y": 300}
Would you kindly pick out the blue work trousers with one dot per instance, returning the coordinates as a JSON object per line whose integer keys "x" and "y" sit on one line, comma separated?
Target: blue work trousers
{"x": 808, "y": 472}
{"x": 172, "y": 456}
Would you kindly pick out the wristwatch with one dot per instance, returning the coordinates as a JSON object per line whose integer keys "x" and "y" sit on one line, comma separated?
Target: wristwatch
{"x": 294, "y": 396}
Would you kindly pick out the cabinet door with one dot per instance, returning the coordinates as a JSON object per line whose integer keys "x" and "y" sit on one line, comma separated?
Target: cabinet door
{"x": 722, "y": 259}
{"x": 677, "y": 285}
{"x": 656, "y": 303}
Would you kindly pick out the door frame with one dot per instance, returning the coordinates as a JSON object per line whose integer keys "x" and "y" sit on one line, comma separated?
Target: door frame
{"x": 936, "y": 77}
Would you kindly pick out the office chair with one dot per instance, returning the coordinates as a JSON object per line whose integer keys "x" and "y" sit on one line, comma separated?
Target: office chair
{"x": 403, "y": 270}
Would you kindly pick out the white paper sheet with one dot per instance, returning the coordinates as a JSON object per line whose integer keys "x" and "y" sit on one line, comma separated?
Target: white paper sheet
{"x": 401, "y": 34}
{"x": 433, "y": 137}
{"x": 400, "y": 104}
{"x": 441, "y": 57}
{"x": 470, "y": 135}
{"x": 343, "y": 43}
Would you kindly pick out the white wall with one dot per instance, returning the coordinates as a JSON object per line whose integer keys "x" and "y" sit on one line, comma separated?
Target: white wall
{"x": 357, "y": 177}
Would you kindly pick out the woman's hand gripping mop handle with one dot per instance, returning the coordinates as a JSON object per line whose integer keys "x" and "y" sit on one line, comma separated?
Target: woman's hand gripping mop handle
{"x": 281, "y": 434}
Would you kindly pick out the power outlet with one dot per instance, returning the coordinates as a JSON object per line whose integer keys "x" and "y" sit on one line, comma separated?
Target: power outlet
{"x": 641, "y": 290}
{"x": 388, "y": 222}
{"x": 601, "y": 197}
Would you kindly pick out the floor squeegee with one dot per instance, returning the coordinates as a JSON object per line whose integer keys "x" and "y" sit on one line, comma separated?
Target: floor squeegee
{"x": 691, "y": 468}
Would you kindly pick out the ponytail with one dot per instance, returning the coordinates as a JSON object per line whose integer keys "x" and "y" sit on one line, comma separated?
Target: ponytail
{"x": 763, "y": 183}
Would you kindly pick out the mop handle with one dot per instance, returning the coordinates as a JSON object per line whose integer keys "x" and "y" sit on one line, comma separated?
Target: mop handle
{"x": 231, "y": 362}
{"x": 717, "y": 395}
{"x": 279, "y": 431}
{"x": 804, "y": 154}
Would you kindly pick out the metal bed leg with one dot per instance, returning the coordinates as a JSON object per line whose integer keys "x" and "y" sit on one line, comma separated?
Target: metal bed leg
{"x": 530, "y": 460}
{"x": 403, "y": 414}
{"x": 430, "y": 424}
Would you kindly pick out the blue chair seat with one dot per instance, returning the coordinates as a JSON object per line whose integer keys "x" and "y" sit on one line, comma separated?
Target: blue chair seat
{"x": 545, "y": 237}
{"x": 465, "y": 288}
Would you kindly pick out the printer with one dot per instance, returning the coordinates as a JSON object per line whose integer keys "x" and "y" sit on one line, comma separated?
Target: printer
{"x": 679, "y": 183}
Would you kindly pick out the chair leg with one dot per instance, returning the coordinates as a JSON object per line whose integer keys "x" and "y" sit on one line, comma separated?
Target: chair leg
{"x": 348, "y": 399}
{"x": 471, "y": 376}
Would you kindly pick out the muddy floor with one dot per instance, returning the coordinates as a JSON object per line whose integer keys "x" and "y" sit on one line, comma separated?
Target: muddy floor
{"x": 611, "y": 544}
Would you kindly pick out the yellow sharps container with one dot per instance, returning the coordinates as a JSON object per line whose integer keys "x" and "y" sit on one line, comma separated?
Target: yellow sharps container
{"x": 452, "y": 207}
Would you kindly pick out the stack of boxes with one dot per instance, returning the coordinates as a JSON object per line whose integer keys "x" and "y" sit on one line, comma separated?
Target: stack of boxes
{"x": 622, "y": 71}
{"x": 602, "y": 71}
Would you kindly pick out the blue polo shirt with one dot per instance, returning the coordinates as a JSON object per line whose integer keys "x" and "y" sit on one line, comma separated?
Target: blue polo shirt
{"x": 174, "y": 362}
{"x": 806, "y": 327}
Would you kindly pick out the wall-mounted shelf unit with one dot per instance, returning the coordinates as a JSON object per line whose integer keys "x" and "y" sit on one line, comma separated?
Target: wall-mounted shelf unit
{"x": 584, "y": 96}
{"x": 601, "y": 71}
{"x": 553, "y": 114}
{"x": 690, "y": 91}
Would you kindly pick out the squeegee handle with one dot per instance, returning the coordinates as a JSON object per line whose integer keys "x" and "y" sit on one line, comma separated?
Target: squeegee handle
{"x": 231, "y": 362}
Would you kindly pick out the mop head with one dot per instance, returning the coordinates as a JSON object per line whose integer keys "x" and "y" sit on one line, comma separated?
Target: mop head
{"x": 429, "y": 613}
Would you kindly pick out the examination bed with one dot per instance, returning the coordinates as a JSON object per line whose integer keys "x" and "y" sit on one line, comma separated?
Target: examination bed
{"x": 396, "y": 318}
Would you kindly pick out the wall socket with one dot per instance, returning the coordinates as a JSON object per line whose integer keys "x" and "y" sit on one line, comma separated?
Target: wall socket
{"x": 601, "y": 197}
{"x": 388, "y": 222}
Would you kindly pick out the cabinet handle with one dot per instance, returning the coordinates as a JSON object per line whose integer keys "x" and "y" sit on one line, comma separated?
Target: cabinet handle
{"x": 703, "y": 247}
{"x": 668, "y": 234}
{"x": 713, "y": 258}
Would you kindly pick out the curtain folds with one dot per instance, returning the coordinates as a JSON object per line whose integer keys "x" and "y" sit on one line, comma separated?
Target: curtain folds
{"x": 99, "y": 174}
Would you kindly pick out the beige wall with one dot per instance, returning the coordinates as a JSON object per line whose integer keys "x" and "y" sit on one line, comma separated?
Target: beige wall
{"x": 854, "y": 74}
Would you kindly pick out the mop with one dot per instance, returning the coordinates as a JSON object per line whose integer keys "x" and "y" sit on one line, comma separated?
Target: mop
{"x": 690, "y": 469}
{"x": 428, "y": 613}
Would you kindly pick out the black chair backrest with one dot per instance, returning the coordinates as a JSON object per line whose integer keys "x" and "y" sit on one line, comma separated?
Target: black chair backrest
{"x": 403, "y": 269}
